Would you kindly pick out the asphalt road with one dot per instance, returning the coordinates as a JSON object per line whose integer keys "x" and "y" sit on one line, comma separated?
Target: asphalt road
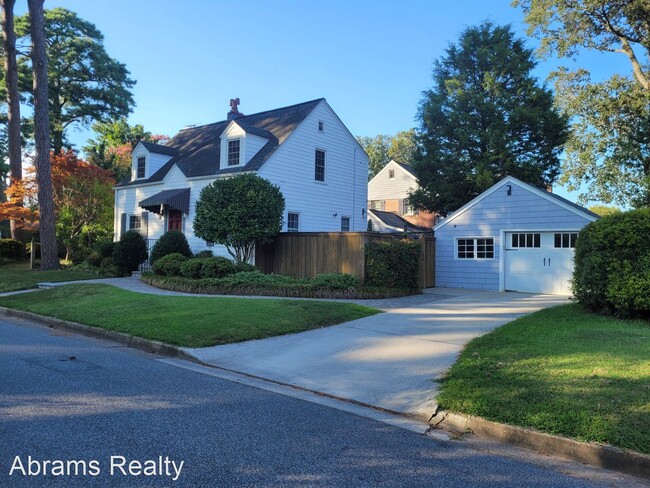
{"x": 110, "y": 401}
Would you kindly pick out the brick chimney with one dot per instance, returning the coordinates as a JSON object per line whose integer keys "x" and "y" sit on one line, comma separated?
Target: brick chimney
{"x": 234, "y": 112}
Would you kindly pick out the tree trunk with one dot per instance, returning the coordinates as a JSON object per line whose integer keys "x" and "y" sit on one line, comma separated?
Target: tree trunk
{"x": 13, "y": 101}
{"x": 49, "y": 258}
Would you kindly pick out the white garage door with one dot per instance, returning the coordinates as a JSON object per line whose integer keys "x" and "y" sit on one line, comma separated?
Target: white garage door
{"x": 539, "y": 262}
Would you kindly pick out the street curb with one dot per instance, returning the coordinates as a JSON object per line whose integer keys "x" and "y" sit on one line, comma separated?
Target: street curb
{"x": 604, "y": 456}
{"x": 126, "y": 340}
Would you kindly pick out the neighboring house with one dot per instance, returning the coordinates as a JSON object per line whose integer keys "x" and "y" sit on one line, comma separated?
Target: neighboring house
{"x": 389, "y": 189}
{"x": 390, "y": 222}
{"x": 512, "y": 237}
{"x": 304, "y": 149}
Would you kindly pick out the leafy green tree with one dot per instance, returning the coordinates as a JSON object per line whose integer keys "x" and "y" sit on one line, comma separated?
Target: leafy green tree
{"x": 609, "y": 148}
{"x": 113, "y": 142}
{"x": 377, "y": 150}
{"x": 403, "y": 147}
{"x": 239, "y": 211}
{"x": 604, "y": 210}
{"x": 485, "y": 118}
{"x": 85, "y": 83}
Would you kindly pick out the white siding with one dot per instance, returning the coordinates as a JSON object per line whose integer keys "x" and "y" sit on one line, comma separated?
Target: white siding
{"x": 381, "y": 187}
{"x": 523, "y": 210}
{"x": 154, "y": 161}
{"x": 345, "y": 189}
{"x": 252, "y": 144}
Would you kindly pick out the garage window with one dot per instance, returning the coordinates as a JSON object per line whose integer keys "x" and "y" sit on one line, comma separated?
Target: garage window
{"x": 566, "y": 239}
{"x": 526, "y": 240}
{"x": 475, "y": 248}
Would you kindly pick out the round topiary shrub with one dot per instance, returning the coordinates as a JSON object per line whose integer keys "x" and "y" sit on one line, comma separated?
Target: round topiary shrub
{"x": 130, "y": 252}
{"x": 172, "y": 241}
{"x": 217, "y": 267}
{"x": 169, "y": 265}
{"x": 192, "y": 268}
{"x": 612, "y": 265}
{"x": 335, "y": 281}
{"x": 11, "y": 249}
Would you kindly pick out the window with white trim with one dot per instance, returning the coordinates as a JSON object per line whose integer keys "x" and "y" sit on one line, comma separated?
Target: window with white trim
{"x": 233, "y": 152}
{"x": 135, "y": 222}
{"x": 293, "y": 222}
{"x": 319, "y": 165}
{"x": 566, "y": 239}
{"x": 526, "y": 240}
{"x": 377, "y": 204}
{"x": 475, "y": 248}
{"x": 141, "y": 167}
{"x": 345, "y": 224}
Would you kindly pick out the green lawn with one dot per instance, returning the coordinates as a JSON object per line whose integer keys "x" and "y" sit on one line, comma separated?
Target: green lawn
{"x": 561, "y": 370}
{"x": 184, "y": 321}
{"x": 18, "y": 276}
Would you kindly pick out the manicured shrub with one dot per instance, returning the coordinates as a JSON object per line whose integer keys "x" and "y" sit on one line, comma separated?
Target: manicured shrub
{"x": 130, "y": 252}
{"x": 204, "y": 254}
{"x": 192, "y": 268}
{"x": 335, "y": 281}
{"x": 105, "y": 249}
{"x": 392, "y": 263}
{"x": 11, "y": 249}
{"x": 169, "y": 265}
{"x": 94, "y": 259}
{"x": 108, "y": 268}
{"x": 612, "y": 265}
{"x": 170, "y": 242}
{"x": 217, "y": 267}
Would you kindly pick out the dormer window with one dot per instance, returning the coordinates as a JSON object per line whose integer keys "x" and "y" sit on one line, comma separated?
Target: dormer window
{"x": 233, "y": 152}
{"x": 140, "y": 169}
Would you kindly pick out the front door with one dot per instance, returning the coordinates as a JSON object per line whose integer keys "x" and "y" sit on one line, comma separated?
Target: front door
{"x": 175, "y": 220}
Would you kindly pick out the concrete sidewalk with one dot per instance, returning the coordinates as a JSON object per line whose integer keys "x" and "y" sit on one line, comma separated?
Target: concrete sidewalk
{"x": 390, "y": 360}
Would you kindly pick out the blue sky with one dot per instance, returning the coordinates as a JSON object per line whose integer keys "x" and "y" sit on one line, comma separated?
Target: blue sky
{"x": 370, "y": 60}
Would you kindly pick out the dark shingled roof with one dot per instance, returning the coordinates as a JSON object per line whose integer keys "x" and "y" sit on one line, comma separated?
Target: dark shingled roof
{"x": 198, "y": 149}
{"x": 159, "y": 148}
{"x": 394, "y": 220}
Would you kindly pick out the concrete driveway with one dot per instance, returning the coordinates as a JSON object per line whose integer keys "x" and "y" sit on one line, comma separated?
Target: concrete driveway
{"x": 390, "y": 360}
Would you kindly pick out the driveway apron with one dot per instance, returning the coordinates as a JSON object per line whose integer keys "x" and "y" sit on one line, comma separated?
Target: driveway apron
{"x": 391, "y": 360}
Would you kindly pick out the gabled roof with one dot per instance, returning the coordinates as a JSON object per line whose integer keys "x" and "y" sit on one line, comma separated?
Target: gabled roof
{"x": 405, "y": 167}
{"x": 393, "y": 220}
{"x": 552, "y": 197}
{"x": 198, "y": 149}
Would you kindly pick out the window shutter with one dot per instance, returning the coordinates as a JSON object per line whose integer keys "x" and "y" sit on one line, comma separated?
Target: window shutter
{"x": 123, "y": 225}
{"x": 144, "y": 228}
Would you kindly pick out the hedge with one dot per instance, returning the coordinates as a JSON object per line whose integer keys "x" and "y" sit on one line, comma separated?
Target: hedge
{"x": 612, "y": 265}
{"x": 169, "y": 265}
{"x": 256, "y": 283}
{"x": 392, "y": 263}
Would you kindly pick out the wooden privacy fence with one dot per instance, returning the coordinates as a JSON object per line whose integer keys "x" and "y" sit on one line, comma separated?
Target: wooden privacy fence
{"x": 307, "y": 254}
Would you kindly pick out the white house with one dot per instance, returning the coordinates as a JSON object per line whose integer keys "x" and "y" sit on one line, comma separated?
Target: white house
{"x": 304, "y": 149}
{"x": 512, "y": 237}
{"x": 388, "y": 191}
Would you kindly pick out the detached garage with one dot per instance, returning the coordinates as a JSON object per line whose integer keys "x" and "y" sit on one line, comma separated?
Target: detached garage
{"x": 512, "y": 237}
